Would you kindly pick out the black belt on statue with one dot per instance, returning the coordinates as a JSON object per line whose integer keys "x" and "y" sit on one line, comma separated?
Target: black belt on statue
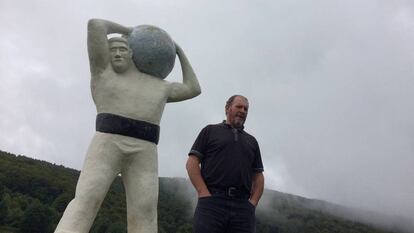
{"x": 114, "y": 124}
{"x": 231, "y": 192}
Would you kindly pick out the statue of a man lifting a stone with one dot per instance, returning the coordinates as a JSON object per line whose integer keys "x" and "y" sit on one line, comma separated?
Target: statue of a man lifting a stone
{"x": 129, "y": 103}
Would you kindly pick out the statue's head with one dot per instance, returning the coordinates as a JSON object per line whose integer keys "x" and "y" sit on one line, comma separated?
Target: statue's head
{"x": 121, "y": 54}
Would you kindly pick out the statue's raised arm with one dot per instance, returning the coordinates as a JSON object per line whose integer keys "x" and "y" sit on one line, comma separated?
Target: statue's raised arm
{"x": 190, "y": 87}
{"x": 98, "y": 46}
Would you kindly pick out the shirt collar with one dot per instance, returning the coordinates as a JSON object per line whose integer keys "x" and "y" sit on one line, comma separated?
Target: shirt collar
{"x": 230, "y": 127}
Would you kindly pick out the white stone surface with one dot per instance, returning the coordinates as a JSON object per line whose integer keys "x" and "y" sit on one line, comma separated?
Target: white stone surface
{"x": 118, "y": 87}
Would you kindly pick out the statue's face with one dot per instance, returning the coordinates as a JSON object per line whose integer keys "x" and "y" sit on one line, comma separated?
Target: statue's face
{"x": 237, "y": 112}
{"x": 121, "y": 56}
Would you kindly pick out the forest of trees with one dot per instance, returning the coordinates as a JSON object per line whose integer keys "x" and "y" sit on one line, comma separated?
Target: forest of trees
{"x": 34, "y": 194}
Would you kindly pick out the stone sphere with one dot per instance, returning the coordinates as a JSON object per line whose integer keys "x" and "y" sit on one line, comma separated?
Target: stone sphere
{"x": 153, "y": 50}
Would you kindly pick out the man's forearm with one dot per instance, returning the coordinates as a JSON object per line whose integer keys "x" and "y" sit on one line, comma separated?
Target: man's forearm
{"x": 194, "y": 173}
{"x": 257, "y": 188}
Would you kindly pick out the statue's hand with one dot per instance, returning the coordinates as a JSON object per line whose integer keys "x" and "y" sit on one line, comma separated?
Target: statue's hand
{"x": 128, "y": 32}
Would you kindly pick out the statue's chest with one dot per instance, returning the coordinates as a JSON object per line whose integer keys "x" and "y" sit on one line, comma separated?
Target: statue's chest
{"x": 131, "y": 88}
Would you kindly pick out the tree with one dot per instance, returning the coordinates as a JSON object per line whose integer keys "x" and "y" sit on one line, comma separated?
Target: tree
{"x": 3, "y": 211}
{"x": 37, "y": 218}
{"x": 186, "y": 228}
{"x": 62, "y": 201}
{"x": 117, "y": 227}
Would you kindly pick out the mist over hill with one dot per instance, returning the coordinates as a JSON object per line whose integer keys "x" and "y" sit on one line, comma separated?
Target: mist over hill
{"x": 34, "y": 194}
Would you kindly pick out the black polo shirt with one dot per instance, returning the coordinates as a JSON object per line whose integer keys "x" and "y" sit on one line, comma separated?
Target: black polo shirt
{"x": 228, "y": 156}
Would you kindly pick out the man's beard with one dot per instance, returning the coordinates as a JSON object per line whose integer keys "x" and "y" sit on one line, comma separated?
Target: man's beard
{"x": 238, "y": 123}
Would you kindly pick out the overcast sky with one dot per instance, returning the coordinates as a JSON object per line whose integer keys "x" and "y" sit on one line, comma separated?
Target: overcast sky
{"x": 330, "y": 84}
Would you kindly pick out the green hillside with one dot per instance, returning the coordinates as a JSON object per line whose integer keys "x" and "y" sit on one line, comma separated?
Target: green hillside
{"x": 35, "y": 193}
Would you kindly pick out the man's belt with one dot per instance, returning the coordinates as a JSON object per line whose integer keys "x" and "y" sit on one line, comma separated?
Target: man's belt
{"x": 111, "y": 123}
{"x": 231, "y": 192}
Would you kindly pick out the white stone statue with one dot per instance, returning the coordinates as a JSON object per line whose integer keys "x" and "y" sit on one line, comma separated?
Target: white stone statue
{"x": 129, "y": 105}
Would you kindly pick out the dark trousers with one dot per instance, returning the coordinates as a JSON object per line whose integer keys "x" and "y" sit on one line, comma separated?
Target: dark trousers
{"x": 224, "y": 215}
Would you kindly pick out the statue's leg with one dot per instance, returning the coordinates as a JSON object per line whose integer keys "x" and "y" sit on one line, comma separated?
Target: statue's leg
{"x": 102, "y": 164}
{"x": 140, "y": 176}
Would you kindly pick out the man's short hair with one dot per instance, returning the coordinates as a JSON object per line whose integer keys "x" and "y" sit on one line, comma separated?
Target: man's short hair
{"x": 231, "y": 100}
{"x": 118, "y": 39}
